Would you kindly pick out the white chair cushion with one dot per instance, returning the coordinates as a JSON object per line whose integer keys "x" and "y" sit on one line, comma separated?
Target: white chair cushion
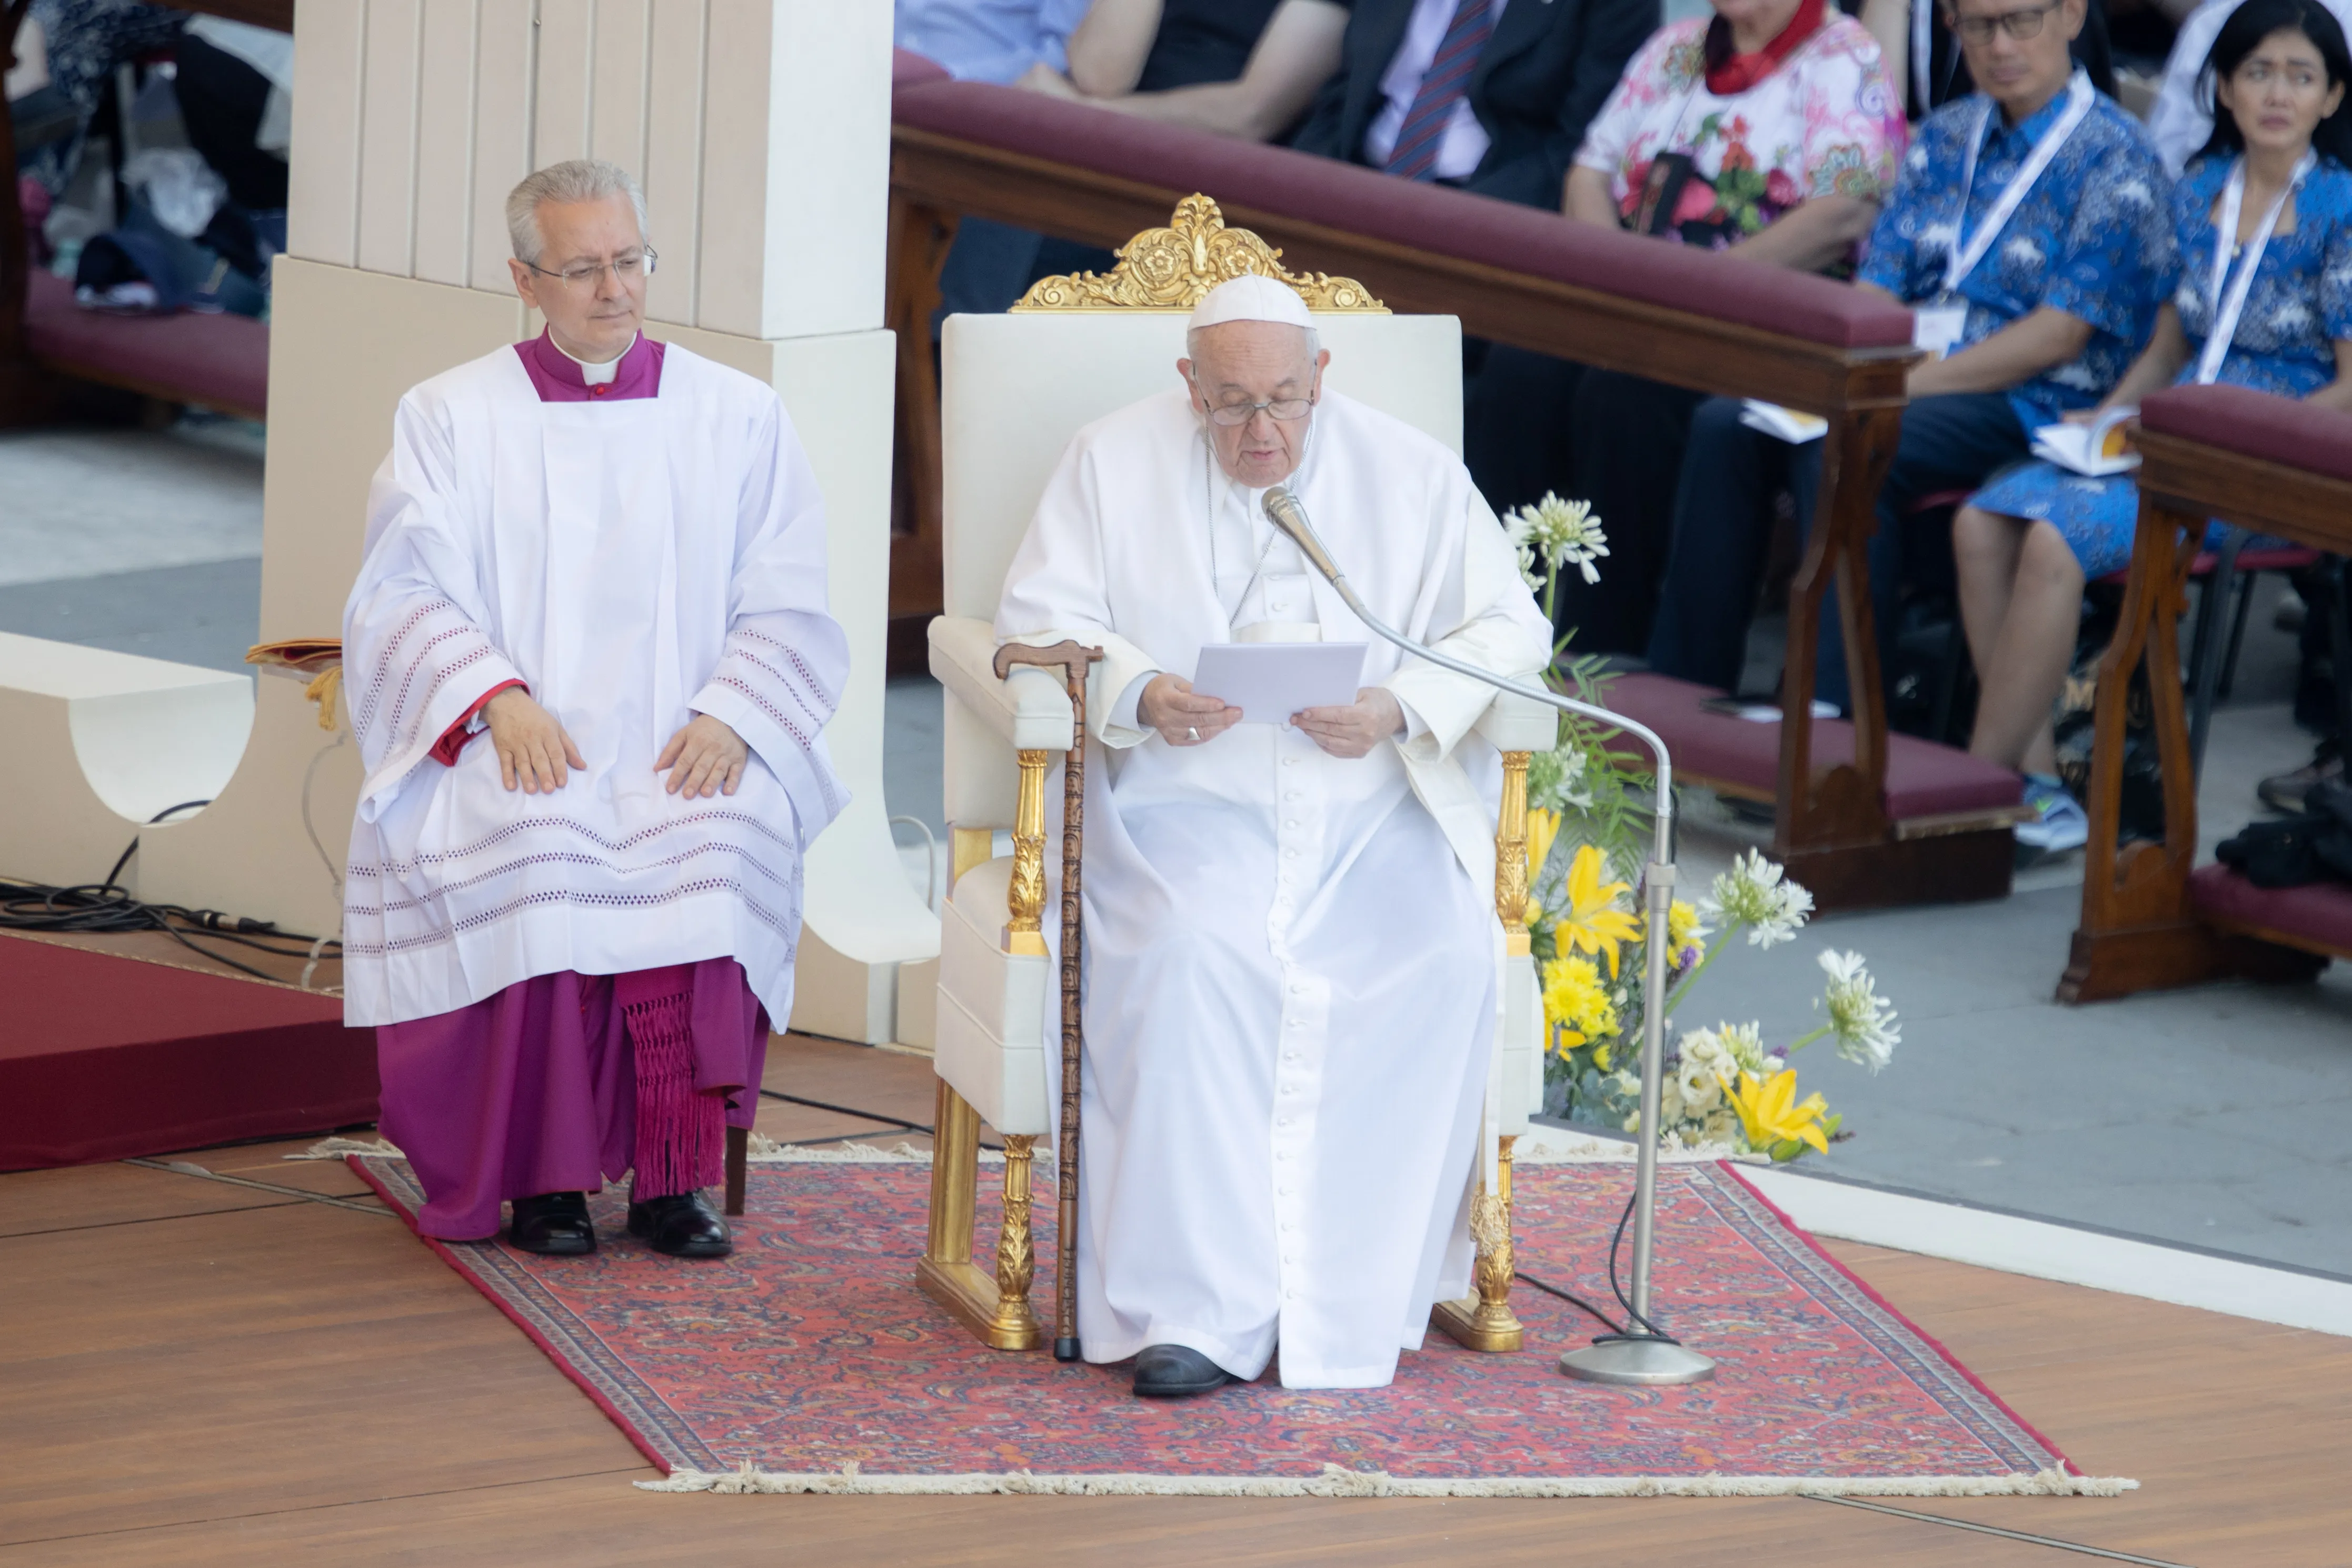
{"x": 993, "y": 1008}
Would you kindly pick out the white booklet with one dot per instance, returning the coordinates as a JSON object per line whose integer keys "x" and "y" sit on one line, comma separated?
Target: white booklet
{"x": 1785, "y": 422}
{"x": 2093, "y": 450}
{"x": 1270, "y": 681}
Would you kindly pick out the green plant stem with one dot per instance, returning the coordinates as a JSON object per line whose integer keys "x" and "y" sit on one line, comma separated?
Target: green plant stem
{"x": 1682, "y": 987}
{"x": 1805, "y": 1041}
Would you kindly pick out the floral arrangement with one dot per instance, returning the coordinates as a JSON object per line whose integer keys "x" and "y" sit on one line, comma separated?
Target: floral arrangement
{"x": 1722, "y": 1088}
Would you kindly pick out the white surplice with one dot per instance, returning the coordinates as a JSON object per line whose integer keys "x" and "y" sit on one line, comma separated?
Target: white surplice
{"x": 634, "y": 562}
{"x": 1290, "y": 958}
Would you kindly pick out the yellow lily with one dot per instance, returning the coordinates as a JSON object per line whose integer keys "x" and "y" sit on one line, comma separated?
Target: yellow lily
{"x": 1593, "y": 923}
{"x": 1768, "y": 1116}
{"x": 1543, "y": 827}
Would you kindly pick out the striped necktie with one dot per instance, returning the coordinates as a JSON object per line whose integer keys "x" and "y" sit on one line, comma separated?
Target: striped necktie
{"x": 1415, "y": 156}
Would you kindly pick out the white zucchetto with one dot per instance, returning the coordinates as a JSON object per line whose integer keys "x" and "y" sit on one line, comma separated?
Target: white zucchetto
{"x": 1250, "y": 298}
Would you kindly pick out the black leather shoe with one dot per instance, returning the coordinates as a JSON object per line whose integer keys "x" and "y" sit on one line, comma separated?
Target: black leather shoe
{"x": 553, "y": 1224}
{"x": 681, "y": 1227}
{"x": 1176, "y": 1372}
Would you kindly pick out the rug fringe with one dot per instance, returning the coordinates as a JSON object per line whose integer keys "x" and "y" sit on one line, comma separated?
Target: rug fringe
{"x": 767, "y": 1151}
{"x": 1552, "y": 1146}
{"x": 335, "y": 1148}
{"x": 1338, "y": 1481}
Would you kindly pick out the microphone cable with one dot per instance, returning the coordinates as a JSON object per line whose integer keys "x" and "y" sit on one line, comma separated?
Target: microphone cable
{"x": 107, "y": 908}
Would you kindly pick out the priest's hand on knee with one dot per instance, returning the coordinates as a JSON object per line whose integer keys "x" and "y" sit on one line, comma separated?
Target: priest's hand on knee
{"x": 705, "y": 759}
{"x": 1181, "y": 716}
{"x": 1375, "y": 715}
{"x": 533, "y": 750}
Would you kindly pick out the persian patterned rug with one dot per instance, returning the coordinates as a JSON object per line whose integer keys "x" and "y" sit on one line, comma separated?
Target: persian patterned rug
{"x": 810, "y": 1362}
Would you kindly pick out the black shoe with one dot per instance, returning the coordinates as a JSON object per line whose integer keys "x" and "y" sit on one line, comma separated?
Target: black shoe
{"x": 1176, "y": 1372}
{"x": 2284, "y": 792}
{"x": 681, "y": 1227}
{"x": 554, "y": 1224}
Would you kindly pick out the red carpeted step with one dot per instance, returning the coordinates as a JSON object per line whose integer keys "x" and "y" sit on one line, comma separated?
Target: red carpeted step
{"x": 103, "y": 1057}
{"x": 1923, "y": 779}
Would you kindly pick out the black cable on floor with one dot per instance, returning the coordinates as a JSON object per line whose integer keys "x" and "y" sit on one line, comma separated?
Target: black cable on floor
{"x": 107, "y": 908}
{"x": 849, "y": 1111}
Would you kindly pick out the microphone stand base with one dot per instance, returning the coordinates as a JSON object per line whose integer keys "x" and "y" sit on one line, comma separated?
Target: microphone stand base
{"x": 1637, "y": 1360}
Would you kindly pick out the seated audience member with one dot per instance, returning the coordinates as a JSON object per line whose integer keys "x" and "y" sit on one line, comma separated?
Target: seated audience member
{"x": 994, "y": 41}
{"x": 2264, "y": 217}
{"x": 1767, "y": 130}
{"x": 84, "y": 41}
{"x": 234, "y": 82}
{"x": 1239, "y": 68}
{"x": 1491, "y": 95}
{"x": 1915, "y": 42}
{"x": 2031, "y": 233}
{"x": 2181, "y": 122}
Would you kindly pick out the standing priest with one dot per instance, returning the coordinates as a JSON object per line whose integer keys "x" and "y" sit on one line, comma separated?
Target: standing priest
{"x": 588, "y": 660}
{"x": 1290, "y": 945}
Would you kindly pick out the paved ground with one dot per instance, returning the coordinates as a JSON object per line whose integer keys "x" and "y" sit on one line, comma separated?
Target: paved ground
{"x": 2215, "y": 1118}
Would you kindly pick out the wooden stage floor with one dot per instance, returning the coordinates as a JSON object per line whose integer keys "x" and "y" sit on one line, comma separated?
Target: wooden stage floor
{"x": 195, "y": 1372}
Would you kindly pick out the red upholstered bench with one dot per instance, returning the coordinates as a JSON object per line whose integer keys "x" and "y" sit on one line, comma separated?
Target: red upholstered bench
{"x": 220, "y": 362}
{"x": 1930, "y": 788}
{"x": 2317, "y": 918}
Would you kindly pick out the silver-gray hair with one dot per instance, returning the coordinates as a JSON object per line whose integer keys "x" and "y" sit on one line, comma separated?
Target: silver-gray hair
{"x": 1193, "y": 338}
{"x": 575, "y": 179}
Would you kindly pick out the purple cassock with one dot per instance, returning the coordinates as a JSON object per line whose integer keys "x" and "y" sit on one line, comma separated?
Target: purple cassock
{"x": 564, "y": 1080}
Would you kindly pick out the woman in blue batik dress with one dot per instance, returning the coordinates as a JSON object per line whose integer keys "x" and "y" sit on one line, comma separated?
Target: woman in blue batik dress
{"x": 2278, "y": 318}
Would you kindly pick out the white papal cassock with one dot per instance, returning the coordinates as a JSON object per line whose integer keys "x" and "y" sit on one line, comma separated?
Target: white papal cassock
{"x": 633, "y": 561}
{"x": 1290, "y": 958}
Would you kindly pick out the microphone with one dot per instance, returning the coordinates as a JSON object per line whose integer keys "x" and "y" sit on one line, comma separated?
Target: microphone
{"x": 1283, "y": 510}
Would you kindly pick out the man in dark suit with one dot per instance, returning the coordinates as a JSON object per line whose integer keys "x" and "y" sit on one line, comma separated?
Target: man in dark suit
{"x": 1493, "y": 95}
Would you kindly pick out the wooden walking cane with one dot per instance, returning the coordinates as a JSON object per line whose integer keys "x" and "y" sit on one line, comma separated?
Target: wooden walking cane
{"x": 1072, "y": 661}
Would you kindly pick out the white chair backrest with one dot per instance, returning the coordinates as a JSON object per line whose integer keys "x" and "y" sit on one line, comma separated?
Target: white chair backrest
{"x": 1016, "y": 388}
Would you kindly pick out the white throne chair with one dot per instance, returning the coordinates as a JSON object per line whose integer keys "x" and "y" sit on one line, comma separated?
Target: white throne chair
{"x": 1015, "y": 389}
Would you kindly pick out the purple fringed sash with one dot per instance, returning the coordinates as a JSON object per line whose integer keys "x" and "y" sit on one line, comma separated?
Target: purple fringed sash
{"x": 679, "y": 1138}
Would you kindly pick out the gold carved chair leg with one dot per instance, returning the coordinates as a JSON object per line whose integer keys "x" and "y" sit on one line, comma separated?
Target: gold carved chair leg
{"x": 1485, "y": 1321}
{"x": 993, "y": 1305}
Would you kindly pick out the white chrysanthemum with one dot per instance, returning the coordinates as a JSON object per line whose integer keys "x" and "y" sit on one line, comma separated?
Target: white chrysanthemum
{"x": 1756, "y": 894}
{"x": 1861, "y": 1023}
{"x": 1558, "y": 533}
{"x": 1528, "y": 573}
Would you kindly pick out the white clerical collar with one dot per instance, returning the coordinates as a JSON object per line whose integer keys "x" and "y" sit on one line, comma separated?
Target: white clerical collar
{"x": 594, "y": 375}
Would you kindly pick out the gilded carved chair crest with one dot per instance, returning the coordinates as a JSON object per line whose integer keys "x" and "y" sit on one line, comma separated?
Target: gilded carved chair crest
{"x": 1171, "y": 269}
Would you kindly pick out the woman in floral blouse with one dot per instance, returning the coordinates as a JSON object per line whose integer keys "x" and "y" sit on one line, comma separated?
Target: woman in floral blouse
{"x": 1768, "y": 130}
{"x": 2026, "y": 542}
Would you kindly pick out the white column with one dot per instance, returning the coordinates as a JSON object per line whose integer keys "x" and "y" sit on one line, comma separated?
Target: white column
{"x": 762, "y": 131}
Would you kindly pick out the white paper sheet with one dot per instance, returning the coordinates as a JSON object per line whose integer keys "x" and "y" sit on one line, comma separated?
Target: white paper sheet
{"x": 1270, "y": 681}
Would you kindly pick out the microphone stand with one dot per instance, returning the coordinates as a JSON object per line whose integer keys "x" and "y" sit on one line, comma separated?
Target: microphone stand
{"x": 1642, "y": 1354}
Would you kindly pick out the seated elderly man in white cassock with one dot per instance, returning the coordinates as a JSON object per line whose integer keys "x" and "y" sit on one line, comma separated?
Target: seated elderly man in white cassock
{"x": 588, "y": 659}
{"x": 1290, "y": 935}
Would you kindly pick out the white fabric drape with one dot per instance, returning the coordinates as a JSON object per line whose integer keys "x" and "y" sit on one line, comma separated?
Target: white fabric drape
{"x": 634, "y": 562}
{"x": 1290, "y": 958}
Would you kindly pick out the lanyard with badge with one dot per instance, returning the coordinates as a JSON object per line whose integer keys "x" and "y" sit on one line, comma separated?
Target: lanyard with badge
{"x": 1938, "y": 327}
{"x": 2226, "y": 310}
